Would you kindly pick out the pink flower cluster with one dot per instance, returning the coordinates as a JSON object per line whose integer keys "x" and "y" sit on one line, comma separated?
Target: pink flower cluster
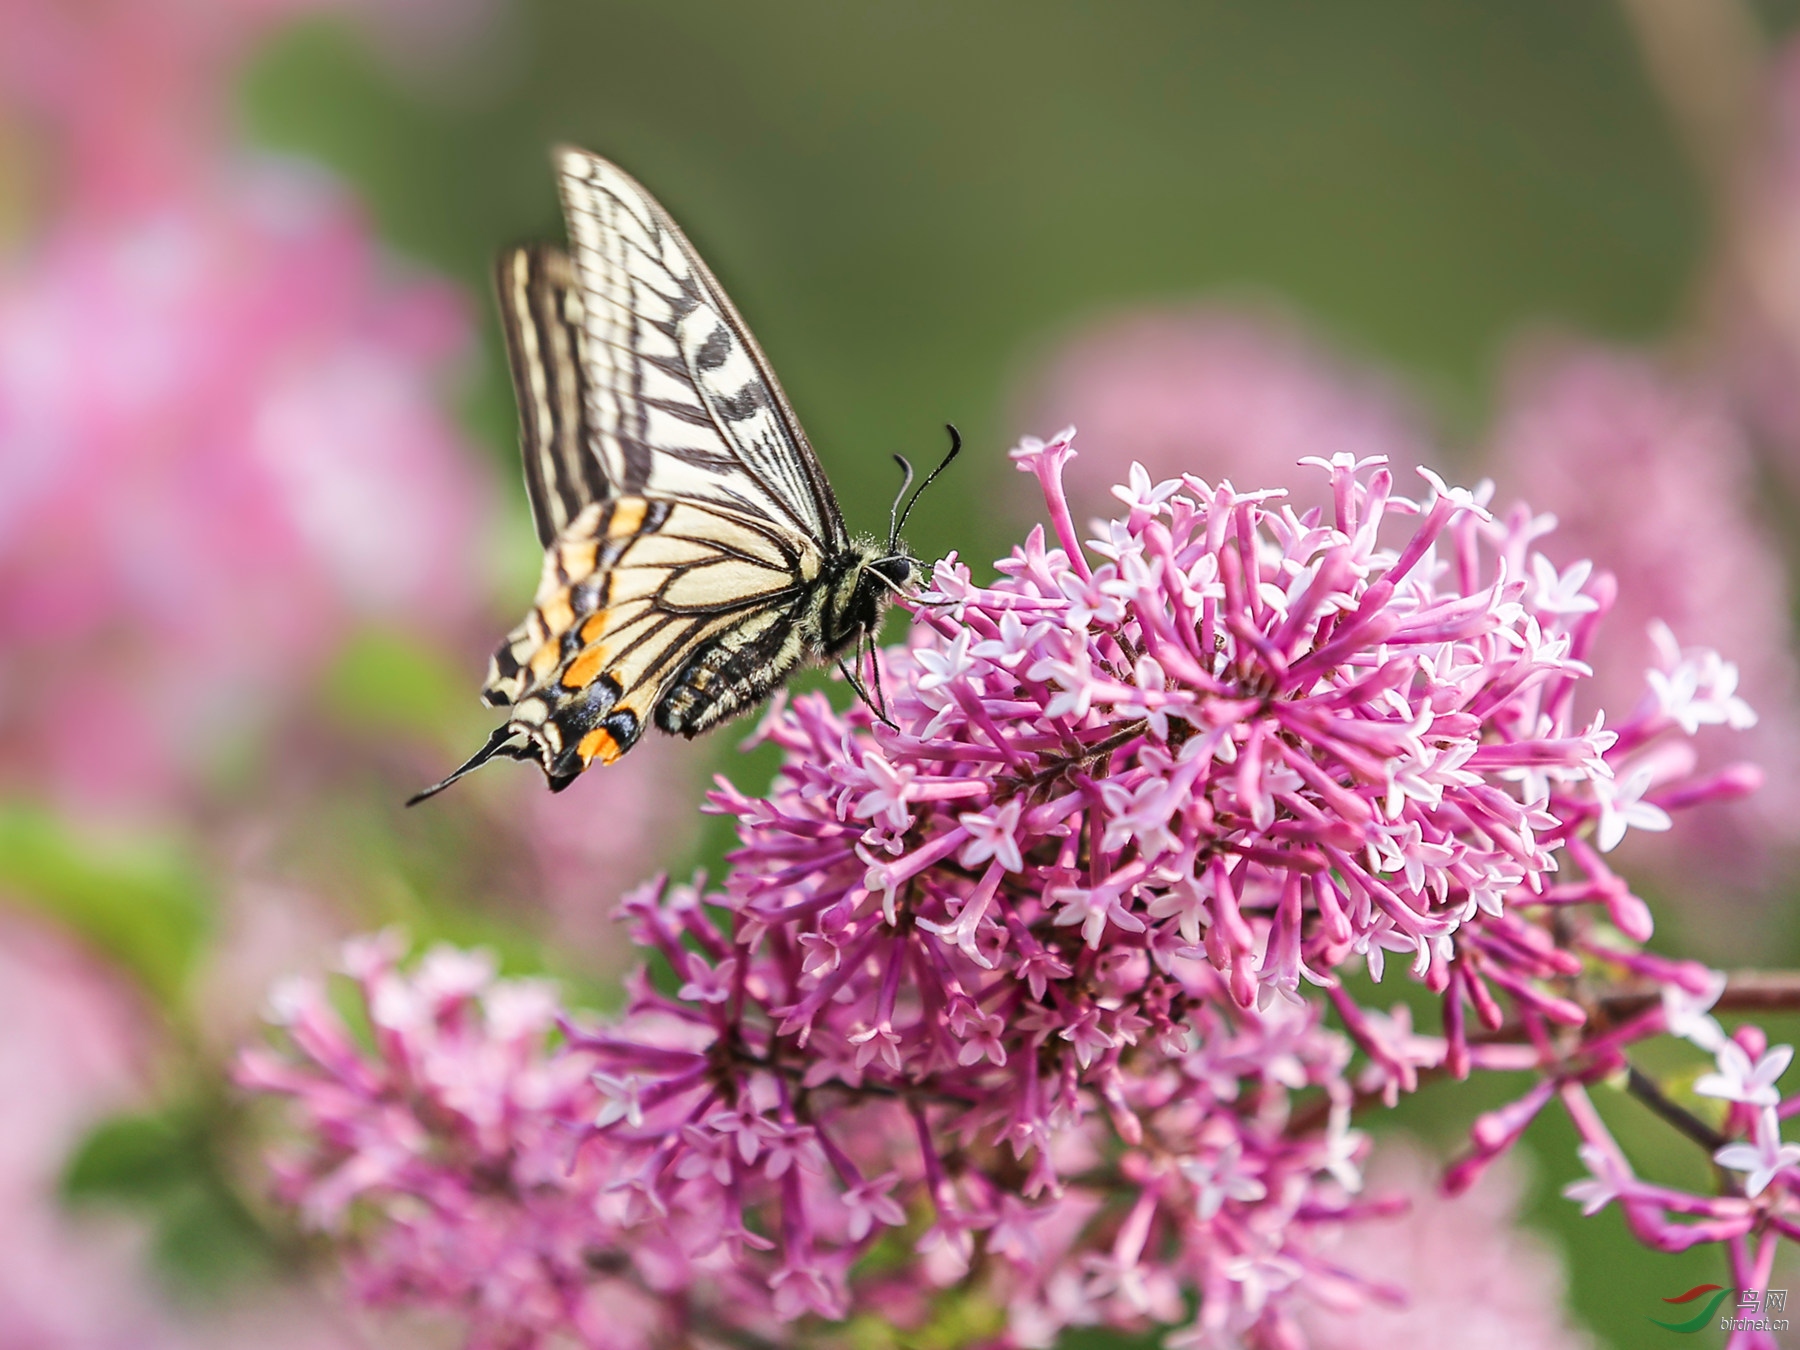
{"x": 1036, "y": 971}
{"x": 223, "y": 437}
{"x": 1210, "y": 390}
{"x": 460, "y": 1125}
{"x": 1676, "y": 526}
{"x": 224, "y": 446}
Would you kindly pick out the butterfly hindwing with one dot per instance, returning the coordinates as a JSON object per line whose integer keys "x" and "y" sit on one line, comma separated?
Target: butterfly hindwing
{"x": 640, "y": 598}
{"x": 541, "y": 314}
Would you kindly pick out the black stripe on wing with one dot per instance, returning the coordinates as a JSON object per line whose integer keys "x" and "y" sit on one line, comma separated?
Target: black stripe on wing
{"x": 540, "y": 316}
{"x": 681, "y": 387}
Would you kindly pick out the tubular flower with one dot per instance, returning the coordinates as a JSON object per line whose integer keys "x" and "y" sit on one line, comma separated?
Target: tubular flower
{"x": 1020, "y": 989}
{"x": 1074, "y": 915}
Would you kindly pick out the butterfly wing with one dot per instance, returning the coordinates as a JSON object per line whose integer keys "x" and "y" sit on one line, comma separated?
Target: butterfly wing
{"x": 541, "y": 314}
{"x": 685, "y": 517}
{"x": 681, "y": 402}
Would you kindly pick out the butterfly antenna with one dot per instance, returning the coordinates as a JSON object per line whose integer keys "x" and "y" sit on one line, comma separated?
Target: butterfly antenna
{"x": 955, "y": 450}
{"x": 894, "y": 517}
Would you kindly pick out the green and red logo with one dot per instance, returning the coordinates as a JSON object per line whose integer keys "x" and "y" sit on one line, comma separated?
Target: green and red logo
{"x": 1701, "y": 1320}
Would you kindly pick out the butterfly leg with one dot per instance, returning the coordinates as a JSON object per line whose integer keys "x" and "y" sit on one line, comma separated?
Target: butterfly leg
{"x": 863, "y": 694}
{"x": 875, "y": 672}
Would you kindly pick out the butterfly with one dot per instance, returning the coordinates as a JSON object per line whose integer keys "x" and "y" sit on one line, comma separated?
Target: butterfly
{"x": 695, "y": 556}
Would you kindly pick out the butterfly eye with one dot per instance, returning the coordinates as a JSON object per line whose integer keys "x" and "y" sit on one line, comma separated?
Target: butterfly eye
{"x": 898, "y": 569}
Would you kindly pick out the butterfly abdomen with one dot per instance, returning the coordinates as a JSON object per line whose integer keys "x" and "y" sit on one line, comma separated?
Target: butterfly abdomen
{"x": 737, "y": 669}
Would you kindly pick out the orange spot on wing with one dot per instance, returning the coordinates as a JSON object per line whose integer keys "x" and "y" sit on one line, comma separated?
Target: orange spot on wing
{"x": 576, "y": 559}
{"x": 593, "y": 627}
{"x": 628, "y": 515}
{"x": 544, "y": 659}
{"x": 598, "y": 744}
{"x": 585, "y": 669}
{"x": 557, "y": 614}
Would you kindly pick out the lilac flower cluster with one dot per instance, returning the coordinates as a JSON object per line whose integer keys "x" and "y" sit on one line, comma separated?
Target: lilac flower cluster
{"x": 457, "y": 1123}
{"x": 1035, "y": 989}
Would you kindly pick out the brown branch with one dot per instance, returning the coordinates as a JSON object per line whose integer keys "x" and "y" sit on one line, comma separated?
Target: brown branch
{"x": 1645, "y": 1090}
{"x": 1745, "y": 991}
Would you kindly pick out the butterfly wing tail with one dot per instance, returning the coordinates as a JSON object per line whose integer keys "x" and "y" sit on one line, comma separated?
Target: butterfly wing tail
{"x": 507, "y": 741}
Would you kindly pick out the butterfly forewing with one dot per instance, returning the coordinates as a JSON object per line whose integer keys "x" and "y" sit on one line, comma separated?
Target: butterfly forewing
{"x": 681, "y": 400}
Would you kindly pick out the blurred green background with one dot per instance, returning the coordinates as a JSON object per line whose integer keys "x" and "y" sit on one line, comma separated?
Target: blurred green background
{"x": 911, "y": 202}
{"x": 908, "y": 200}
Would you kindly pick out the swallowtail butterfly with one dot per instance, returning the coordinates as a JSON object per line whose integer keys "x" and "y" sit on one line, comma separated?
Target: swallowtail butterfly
{"x": 695, "y": 555}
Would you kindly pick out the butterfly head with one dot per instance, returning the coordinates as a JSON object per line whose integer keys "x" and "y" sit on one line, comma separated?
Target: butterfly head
{"x": 868, "y": 576}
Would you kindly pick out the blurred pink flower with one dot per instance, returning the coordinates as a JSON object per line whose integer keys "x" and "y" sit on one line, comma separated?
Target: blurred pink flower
{"x": 134, "y": 90}
{"x": 449, "y": 1149}
{"x": 71, "y": 1052}
{"x": 1217, "y": 392}
{"x": 66, "y": 1058}
{"x": 1676, "y": 524}
{"x": 74, "y": 1039}
{"x": 222, "y": 444}
{"x": 1472, "y": 1280}
{"x": 135, "y": 93}
{"x": 223, "y": 439}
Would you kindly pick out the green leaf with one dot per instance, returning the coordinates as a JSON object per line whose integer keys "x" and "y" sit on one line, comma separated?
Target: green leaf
{"x": 168, "y": 1168}
{"x": 207, "y": 1242}
{"x": 139, "y": 901}
{"x": 129, "y": 1159}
